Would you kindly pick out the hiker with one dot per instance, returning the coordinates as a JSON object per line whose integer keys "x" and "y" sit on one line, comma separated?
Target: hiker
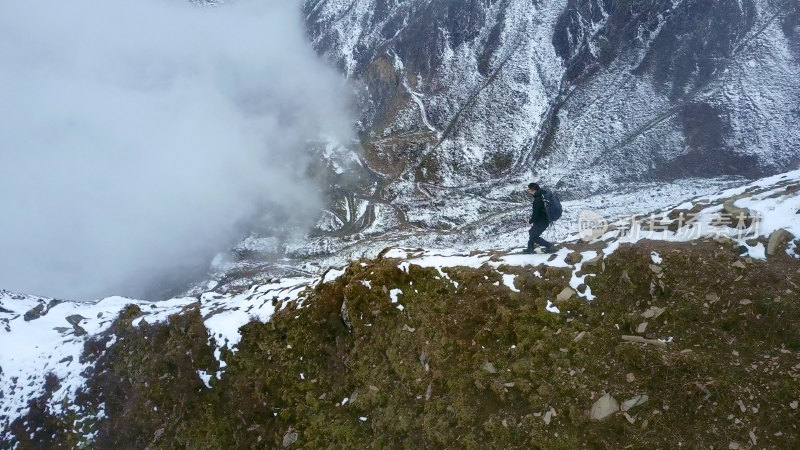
{"x": 538, "y": 221}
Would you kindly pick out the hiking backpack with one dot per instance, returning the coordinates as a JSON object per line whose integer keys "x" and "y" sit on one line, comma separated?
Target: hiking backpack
{"x": 552, "y": 206}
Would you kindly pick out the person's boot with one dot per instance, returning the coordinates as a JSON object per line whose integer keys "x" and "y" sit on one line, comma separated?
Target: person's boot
{"x": 528, "y": 251}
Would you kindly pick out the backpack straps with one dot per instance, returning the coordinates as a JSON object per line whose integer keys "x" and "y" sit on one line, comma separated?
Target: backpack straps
{"x": 546, "y": 201}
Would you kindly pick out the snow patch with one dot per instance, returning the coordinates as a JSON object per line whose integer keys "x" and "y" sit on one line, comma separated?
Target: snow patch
{"x": 398, "y": 253}
{"x": 206, "y": 377}
{"x": 508, "y": 280}
{"x": 656, "y": 258}
{"x": 332, "y": 275}
{"x": 394, "y": 293}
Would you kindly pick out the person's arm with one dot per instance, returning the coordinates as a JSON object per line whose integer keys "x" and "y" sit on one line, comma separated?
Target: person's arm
{"x": 538, "y": 206}
{"x": 533, "y": 214}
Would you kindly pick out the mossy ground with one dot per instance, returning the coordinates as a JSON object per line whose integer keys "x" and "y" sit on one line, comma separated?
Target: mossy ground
{"x": 477, "y": 365}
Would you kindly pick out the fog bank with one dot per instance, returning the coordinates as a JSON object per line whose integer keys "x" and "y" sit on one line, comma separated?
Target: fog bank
{"x": 136, "y": 135}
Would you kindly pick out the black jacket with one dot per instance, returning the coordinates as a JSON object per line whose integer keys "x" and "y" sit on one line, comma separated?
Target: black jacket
{"x": 539, "y": 214}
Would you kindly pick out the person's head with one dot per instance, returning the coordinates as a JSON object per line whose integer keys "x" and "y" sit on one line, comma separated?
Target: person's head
{"x": 533, "y": 188}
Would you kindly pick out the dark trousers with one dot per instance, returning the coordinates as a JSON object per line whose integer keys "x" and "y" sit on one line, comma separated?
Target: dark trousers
{"x": 535, "y": 236}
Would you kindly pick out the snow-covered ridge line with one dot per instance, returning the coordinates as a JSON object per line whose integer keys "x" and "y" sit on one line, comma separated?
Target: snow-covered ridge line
{"x": 40, "y": 336}
{"x": 771, "y": 204}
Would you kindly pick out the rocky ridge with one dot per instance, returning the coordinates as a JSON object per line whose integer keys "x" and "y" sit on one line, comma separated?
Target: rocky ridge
{"x": 67, "y": 362}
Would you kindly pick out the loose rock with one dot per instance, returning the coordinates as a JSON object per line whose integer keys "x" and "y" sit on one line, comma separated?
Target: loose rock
{"x": 594, "y": 261}
{"x": 778, "y": 240}
{"x": 573, "y": 258}
{"x": 289, "y": 438}
{"x": 603, "y": 407}
{"x": 75, "y": 320}
{"x": 34, "y": 313}
{"x": 737, "y": 213}
{"x": 653, "y": 311}
{"x": 565, "y": 294}
{"x": 346, "y": 316}
{"x": 643, "y": 340}
{"x": 634, "y": 402}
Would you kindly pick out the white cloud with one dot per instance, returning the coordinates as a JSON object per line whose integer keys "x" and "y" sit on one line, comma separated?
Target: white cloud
{"x": 136, "y": 135}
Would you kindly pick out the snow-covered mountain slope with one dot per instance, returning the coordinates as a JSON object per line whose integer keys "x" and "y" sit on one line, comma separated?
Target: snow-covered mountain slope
{"x": 579, "y": 91}
{"x": 50, "y": 345}
{"x": 461, "y": 104}
{"x": 47, "y": 337}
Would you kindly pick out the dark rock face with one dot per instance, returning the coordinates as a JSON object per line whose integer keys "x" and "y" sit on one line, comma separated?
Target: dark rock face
{"x": 791, "y": 29}
{"x": 610, "y": 90}
{"x": 448, "y": 23}
{"x": 618, "y": 23}
{"x": 705, "y": 128}
{"x": 680, "y": 56}
{"x": 702, "y": 36}
{"x": 687, "y": 54}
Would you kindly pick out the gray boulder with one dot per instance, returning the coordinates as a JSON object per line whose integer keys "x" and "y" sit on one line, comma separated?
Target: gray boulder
{"x": 777, "y": 241}
{"x": 603, "y": 407}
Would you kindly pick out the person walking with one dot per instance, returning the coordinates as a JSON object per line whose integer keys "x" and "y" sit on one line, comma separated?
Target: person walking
{"x": 538, "y": 222}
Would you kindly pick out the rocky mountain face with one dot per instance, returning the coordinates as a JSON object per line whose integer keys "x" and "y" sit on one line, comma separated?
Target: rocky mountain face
{"x": 576, "y": 93}
{"x": 461, "y": 103}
